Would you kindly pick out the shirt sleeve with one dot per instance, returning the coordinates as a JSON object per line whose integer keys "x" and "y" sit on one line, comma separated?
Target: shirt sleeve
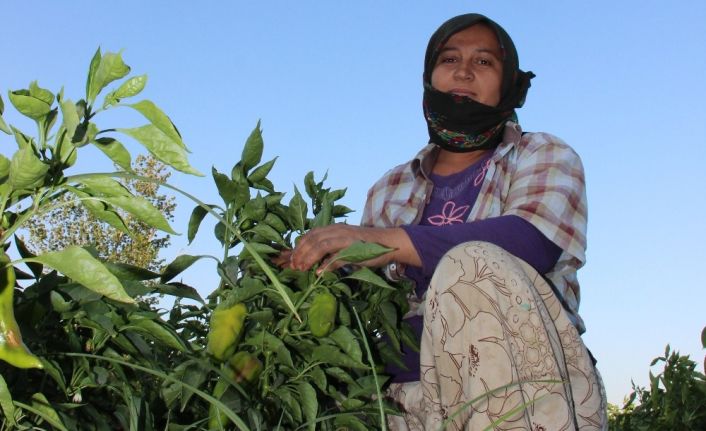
{"x": 512, "y": 233}
{"x": 548, "y": 190}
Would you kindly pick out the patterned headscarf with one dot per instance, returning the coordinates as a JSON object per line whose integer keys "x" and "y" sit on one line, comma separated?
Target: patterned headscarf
{"x": 458, "y": 123}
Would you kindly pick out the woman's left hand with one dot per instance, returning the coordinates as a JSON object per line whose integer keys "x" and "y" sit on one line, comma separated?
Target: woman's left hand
{"x": 321, "y": 244}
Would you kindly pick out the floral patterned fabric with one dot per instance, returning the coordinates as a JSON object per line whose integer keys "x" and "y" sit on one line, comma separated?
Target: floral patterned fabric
{"x": 496, "y": 334}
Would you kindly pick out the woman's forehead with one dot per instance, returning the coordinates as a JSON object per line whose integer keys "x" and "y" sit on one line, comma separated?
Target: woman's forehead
{"x": 481, "y": 37}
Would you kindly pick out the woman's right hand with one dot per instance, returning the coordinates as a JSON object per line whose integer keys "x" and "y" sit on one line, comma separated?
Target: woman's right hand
{"x": 284, "y": 258}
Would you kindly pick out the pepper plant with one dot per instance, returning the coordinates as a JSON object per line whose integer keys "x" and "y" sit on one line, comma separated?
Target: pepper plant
{"x": 36, "y": 175}
{"x": 269, "y": 348}
{"x": 297, "y": 349}
{"x": 73, "y": 302}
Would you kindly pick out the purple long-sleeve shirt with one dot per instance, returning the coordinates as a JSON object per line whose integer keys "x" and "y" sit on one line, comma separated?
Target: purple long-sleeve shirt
{"x": 443, "y": 226}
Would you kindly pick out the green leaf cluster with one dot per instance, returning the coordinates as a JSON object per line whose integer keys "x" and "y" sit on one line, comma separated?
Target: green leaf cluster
{"x": 675, "y": 400}
{"x": 319, "y": 369}
{"x": 35, "y": 180}
{"x": 110, "y": 362}
{"x": 60, "y": 317}
{"x": 75, "y": 301}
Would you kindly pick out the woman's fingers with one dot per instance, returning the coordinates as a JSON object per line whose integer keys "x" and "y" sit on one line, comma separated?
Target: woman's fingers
{"x": 284, "y": 259}
{"x": 319, "y": 243}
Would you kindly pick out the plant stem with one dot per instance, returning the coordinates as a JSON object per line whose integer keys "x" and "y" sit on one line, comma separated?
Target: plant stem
{"x": 383, "y": 421}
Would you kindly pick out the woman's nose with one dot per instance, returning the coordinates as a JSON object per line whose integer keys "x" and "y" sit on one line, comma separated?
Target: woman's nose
{"x": 464, "y": 70}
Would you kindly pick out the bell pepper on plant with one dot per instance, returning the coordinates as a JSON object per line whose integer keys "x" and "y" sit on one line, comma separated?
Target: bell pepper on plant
{"x": 225, "y": 328}
{"x": 322, "y": 314}
{"x": 12, "y": 349}
{"x": 241, "y": 367}
{"x": 244, "y": 367}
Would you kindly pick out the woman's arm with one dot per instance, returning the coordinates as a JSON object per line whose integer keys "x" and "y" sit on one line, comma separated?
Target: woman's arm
{"x": 514, "y": 234}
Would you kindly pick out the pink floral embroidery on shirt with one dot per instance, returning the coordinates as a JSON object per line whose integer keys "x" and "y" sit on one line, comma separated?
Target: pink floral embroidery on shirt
{"x": 481, "y": 174}
{"x": 449, "y": 214}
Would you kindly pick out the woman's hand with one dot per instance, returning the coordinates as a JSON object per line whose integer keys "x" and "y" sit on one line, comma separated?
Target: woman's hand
{"x": 321, "y": 244}
{"x": 283, "y": 259}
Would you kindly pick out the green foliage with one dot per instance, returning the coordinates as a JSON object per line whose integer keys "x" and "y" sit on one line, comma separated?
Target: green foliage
{"x": 74, "y": 301}
{"x": 300, "y": 326}
{"x": 123, "y": 239}
{"x": 109, "y": 362}
{"x": 675, "y": 400}
{"x": 36, "y": 180}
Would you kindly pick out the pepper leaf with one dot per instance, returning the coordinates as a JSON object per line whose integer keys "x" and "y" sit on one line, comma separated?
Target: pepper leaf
{"x": 310, "y": 184}
{"x": 309, "y": 403}
{"x": 79, "y": 265}
{"x": 197, "y": 216}
{"x": 143, "y": 210}
{"x": 180, "y": 290}
{"x": 347, "y": 341}
{"x": 332, "y": 355}
{"x": 323, "y": 217}
{"x": 126, "y": 271}
{"x": 40, "y": 93}
{"x": 70, "y": 117}
{"x": 109, "y": 68}
{"x": 162, "y": 147}
{"x": 260, "y": 173}
{"x": 106, "y": 186}
{"x": 368, "y": 276}
{"x": 227, "y": 188}
{"x": 115, "y": 151}
{"x": 177, "y": 266}
{"x": 100, "y": 210}
{"x": 25, "y": 253}
{"x": 4, "y": 168}
{"x": 297, "y": 211}
{"x": 45, "y": 410}
{"x": 26, "y": 170}
{"x": 29, "y": 105}
{"x": 361, "y": 251}
{"x": 159, "y": 119}
{"x": 131, "y": 87}
{"x": 268, "y": 232}
{"x": 92, "y": 68}
{"x": 252, "y": 151}
{"x": 255, "y": 209}
{"x": 156, "y": 331}
{"x": 4, "y": 127}
{"x": 8, "y": 408}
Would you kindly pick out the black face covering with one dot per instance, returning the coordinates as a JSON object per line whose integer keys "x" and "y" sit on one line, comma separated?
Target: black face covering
{"x": 458, "y": 123}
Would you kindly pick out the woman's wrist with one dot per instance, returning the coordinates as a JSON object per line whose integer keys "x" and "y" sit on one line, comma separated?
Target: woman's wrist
{"x": 396, "y": 238}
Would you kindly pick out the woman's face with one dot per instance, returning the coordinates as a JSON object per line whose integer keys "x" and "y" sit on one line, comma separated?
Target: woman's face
{"x": 470, "y": 64}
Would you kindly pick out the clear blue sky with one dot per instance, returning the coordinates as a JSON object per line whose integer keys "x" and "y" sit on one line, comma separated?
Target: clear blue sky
{"x": 338, "y": 88}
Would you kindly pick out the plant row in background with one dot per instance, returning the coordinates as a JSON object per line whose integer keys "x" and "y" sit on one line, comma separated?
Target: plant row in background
{"x": 675, "y": 399}
{"x": 269, "y": 348}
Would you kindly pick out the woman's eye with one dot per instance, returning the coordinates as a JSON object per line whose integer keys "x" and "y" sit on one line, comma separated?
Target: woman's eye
{"x": 447, "y": 60}
{"x": 482, "y": 61}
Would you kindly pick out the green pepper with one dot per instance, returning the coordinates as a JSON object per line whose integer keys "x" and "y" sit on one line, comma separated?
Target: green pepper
{"x": 225, "y": 328}
{"x": 322, "y": 314}
{"x": 244, "y": 367}
{"x": 241, "y": 367}
{"x": 12, "y": 349}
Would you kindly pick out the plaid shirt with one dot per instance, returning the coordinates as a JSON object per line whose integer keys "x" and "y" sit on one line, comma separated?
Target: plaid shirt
{"x": 535, "y": 176}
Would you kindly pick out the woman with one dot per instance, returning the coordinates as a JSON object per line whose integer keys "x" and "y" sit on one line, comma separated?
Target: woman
{"x": 490, "y": 223}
